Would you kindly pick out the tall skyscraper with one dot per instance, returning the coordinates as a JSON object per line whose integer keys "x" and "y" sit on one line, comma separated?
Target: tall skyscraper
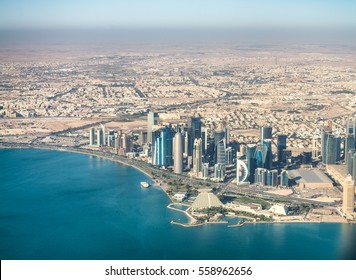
{"x": 241, "y": 169}
{"x": 194, "y": 132}
{"x": 281, "y": 145}
{"x": 332, "y": 149}
{"x": 349, "y": 162}
{"x": 267, "y": 153}
{"x": 272, "y": 178}
{"x": 218, "y": 136}
{"x": 100, "y": 137}
{"x": 259, "y": 156}
{"x": 315, "y": 150}
{"x": 348, "y": 196}
{"x": 197, "y": 158}
{"x": 219, "y": 172}
{"x": 220, "y": 152}
{"x": 284, "y": 178}
{"x": 326, "y": 131}
{"x": 265, "y": 133}
{"x": 251, "y": 161}
{"x": 152, "y": 119}
{"x": 178, "y": 153}
{"x": 205, "y": 170}
{"x": 162, "y": 146}
{"x": 227, "y": 135}
{"x": 261, "y": 176}
{"x": 104, "y": 135}
{"x": 204, "y": 138}
{"x": 92, "y": 137}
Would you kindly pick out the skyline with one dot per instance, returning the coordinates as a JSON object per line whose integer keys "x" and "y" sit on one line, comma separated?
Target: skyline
{"x": 276, "y": 14}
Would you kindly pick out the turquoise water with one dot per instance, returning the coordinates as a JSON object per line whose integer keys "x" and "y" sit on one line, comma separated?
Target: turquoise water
{"x": 59, "y": 205}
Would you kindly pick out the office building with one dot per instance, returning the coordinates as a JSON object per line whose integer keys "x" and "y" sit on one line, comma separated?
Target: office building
{"x": 348, "y": 196}
{"x": 267, "y": 154}
{"x": 218, "y": 137}
{"x": 204, "y": 138}
{"x": 265, "y": 133}
{"x": 205, "y": 171}
{"x": 281, "y": 145}
{"x": 220, "y": 153}
{"x": 272, "y": 178}
{"x": 163, "y": 146}
{"x": 251, "y": 161}
{"x": 241, "y": 170}
{"x": 152, "y": 119}
{"x": 284, "y": 178}
{"x": 219, "y": 172}
{"x": 92, "y": 137}
{"x": 259, "y": 156}
{"x": 178, "y": 153}
{"x": 197, "y": 158}
{"x": 261, "y": 176}
{"x": 100, "y": 137}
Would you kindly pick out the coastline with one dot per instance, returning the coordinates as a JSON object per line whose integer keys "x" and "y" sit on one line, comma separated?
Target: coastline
{"x": 161, "y": 185}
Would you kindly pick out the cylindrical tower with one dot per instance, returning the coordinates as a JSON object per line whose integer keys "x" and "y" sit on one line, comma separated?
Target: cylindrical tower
{"x": 178, "y": 153}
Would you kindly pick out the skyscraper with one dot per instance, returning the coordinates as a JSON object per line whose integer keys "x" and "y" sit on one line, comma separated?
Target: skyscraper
{"x": 152, "y": 119}
{"x": 284, "y": 178}
{"x": 92, "y": 137}
{"x": 326, "y": 131}
{"x": 104, "y": 135}
{"x": 178, "y": 153}
{"x": 332, "y": 149}
{"x": 162, "y": 146}
{"x": 220, "y": 152}
{"x": 100, "y": 136}
{"x": 265, "y": 133}
{"x": 251, "y": 161}
{"x": 204, "y": 137}
{"x": 348, "y": 196}
{"x": 197, "y": 158}
{"x": 218, "y": 136}
{"x": 272, "y": 178}
{"x": 259, "y": 157}
{"x": 281, "y": 145}
{"x": 241, "y": 170}
{"x": 219, "y": 172}
{"x": 267, "y": 153}
{"x": 261, "y": 176}
{"x": 194, "y": 131}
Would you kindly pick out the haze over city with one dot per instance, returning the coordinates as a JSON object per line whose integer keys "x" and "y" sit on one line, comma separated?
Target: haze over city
{"x": 237, "y": 112}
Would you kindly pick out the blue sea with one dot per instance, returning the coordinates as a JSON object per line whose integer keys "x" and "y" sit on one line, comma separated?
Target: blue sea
{"x": 61, "y": 205}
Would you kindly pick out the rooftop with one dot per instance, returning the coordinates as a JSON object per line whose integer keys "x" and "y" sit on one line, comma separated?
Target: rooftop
{"x": 308, "y": 176}
{"x": 206, "y": 200}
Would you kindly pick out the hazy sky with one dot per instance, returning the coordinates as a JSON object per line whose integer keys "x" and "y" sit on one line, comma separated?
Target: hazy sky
{"x": 178, "y": 13}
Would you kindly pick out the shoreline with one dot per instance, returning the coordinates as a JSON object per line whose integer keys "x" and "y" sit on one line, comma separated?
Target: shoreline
{"x": 113, "y": 158}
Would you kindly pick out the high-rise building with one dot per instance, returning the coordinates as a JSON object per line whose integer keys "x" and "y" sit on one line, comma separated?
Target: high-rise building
{"x": 204, "y": 138}
{"x": 349, "y": 162}
{"x": 284, "y": 178}
{"x": 267, "y": 154}
{"x": 272, "y": 178}
{"x": 354, "y": 168}
{"x": 265, "y": 133}
{"x": 241, "y": 170}
{"x": 178, "y": 153}
{"x": 100, "y": 137}
{"x": 251, "y": 161}
{"x": 162, "y": 146}
{"x": 218, "y": 136}
{"x": 205, "y": 170}
{"x": 197, "y": 158}
{"x": 194, "y": 131}
{"x": 92, "y": 137}
{"x": 332, "y": 149}
{"x": 261, "y": 176}
{"x": 227, "y": 135}
{"x": 259, "y": 157}
{"x": 220, "y": 152}
{"x": 326, "y": 131}
{"x": 104, "y": 135}
{"x": 186, "y": 144}
{"x": 142, "y": 138}
{"x": 152, "y": 119}
{"x": 228, "y": 156}
{"x": 315, "y": 150}
{"x": 281, "y": 145}
{"x": 348, "y": 196}
{"x": 219, "y": 172}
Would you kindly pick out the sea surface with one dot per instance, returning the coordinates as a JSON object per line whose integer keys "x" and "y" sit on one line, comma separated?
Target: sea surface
{"x": 61, "y": 205}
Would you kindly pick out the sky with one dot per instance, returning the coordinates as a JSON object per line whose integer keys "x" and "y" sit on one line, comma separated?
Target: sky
{"x": 317, "y": 14}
